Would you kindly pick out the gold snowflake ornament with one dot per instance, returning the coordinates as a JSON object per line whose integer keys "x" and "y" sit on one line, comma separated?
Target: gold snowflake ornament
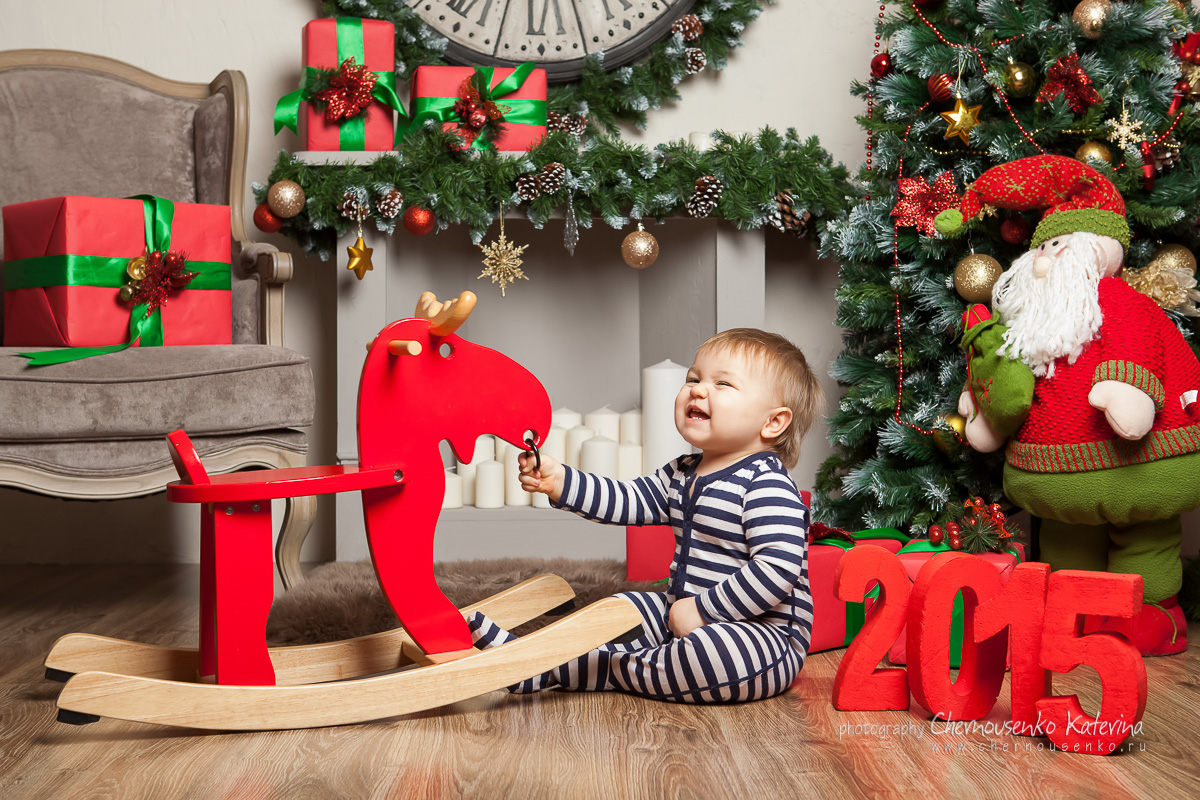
{"x": 1125, "y": 131}
{"x": 502, "y": 261}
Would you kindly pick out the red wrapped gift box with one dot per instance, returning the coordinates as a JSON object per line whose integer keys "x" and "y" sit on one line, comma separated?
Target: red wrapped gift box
{"x": 326, "y": 44}
{"x": 1005, "y": 563}
{"x": 53, "y": 298}
{"x": 437, "y": 88}
{"x": 836, "y": 622}
{"x": 650, "y": 549}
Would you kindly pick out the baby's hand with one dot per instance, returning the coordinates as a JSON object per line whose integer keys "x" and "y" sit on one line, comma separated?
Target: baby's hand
{"x": 548, "y": 480}
{"x": 684, "y": 617}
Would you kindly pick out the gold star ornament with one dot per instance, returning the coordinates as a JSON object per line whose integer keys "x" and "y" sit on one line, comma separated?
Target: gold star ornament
{"x": 360, "y": 257}
{"x": 502, "y": 260}
{"x": 961, "y": 120}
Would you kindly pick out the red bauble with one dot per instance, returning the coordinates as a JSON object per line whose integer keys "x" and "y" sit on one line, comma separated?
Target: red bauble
{"x": 935, "y": 534}
{"x": 881, "y": 65}
{"x": 1015, "y": 230}
{"x": 265, "y": 219}
{"x": 927, "y": 5}
{"x": 952, "y": 530}
{"x": 941, "y": 88}
{"x": 955, "y": 543}
{"x": 477, "y": 119}
{"x": 418, "y": 221}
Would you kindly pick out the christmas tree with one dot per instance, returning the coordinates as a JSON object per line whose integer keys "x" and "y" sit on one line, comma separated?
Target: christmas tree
{"x": 960, "y": 86}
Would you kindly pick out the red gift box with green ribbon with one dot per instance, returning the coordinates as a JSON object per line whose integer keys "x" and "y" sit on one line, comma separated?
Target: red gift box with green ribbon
{"x": 67, "y": 259}
{"x": 836, "y": 622}
{"x": 915, "y": 555}
{"x": 347, "y": 94}
{"x": 516, "y": 98}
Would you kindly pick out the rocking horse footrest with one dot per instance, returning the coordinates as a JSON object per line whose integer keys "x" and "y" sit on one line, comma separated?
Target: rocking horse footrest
{"x": 268, "y": 484}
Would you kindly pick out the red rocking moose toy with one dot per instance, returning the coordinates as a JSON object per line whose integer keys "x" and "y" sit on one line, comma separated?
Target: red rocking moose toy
{"x": 420, "y": 384}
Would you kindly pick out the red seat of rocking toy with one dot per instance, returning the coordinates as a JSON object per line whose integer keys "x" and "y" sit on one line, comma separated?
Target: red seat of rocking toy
{"x": 197, "y": 486}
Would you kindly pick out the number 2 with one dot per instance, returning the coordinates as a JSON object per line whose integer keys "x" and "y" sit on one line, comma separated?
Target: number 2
{"x": 858, "y": 685}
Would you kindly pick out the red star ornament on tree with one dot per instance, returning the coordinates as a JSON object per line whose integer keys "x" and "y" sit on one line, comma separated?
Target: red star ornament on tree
{"x": 921, "y": 201}
{"x": 349, "y": 91}
{"x": 1067, "y": 76}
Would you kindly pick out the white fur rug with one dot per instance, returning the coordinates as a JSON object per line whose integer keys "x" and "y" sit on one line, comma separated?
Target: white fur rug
{"x": 342, "y": 599}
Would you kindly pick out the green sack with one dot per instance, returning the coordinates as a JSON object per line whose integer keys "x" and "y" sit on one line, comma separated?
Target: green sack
{"x": 1001, "y": 386}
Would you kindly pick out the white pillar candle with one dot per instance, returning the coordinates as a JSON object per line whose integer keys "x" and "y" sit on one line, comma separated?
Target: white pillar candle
{"x": 565, "y": 418}
{"x": 661, "y": 442}
{"x": 489, "y": 484}
{"x": 541, "y": 500}
{"x": 485, "y": 450}
{"x": 555, "y": 445}
{"x": 629, "y": 462}
{"x": 575, "y": 438}
{"x": 599, "y": 456}
{"x": 701, "y": 140}
{"x": 514, "y": 495}
{"x": 631, "y": 427}
{"x": 453, "y": 498}
{"x": 605, "y": 422}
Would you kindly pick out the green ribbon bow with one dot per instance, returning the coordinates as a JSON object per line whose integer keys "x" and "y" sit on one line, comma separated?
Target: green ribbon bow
{"x": 856, "y": 613}
{"x": 441, "y": 109}
{"x": 353, "y": 133}
{"x": 145, "y": 326}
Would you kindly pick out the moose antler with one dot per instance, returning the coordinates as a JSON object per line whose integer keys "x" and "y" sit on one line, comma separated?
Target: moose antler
{"x": 445, "y": 317}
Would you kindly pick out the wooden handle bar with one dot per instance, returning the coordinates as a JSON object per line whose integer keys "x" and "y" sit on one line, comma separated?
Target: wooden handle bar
{"x": 401, "y": 347}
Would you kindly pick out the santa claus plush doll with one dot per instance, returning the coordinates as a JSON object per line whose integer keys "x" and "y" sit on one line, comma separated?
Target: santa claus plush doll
{"x": 1106, "y": 447}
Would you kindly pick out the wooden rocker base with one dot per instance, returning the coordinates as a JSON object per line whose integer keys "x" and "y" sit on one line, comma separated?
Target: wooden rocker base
{"x": 246, "y": 708}
{"x": 312, "y": 663}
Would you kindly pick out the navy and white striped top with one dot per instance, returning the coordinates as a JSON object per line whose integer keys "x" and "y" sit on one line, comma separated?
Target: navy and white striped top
{"x": 741, "y": 535}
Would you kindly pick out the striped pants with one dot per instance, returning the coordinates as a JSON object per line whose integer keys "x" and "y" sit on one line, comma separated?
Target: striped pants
{"x": 725, "y": 662}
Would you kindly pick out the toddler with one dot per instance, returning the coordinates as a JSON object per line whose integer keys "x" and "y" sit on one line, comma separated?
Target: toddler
{"x": 735, "y": 621}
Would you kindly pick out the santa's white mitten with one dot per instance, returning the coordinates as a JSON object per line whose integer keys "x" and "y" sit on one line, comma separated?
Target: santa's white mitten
{"x": 1128, "y": 409}
{"x": 979, "y": 431}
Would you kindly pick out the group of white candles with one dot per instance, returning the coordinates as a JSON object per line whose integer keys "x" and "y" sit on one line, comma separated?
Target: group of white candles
{"x": 603, "y": 442}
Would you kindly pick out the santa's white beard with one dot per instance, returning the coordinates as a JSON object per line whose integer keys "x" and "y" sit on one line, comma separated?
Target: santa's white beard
{"x": 1054, "y": 316}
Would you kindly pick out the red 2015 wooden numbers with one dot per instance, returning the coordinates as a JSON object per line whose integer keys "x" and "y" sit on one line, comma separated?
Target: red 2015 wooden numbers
{"x": 1036, "y": 618}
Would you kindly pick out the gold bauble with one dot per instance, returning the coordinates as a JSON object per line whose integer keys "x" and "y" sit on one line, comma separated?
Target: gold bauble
{"x": 1093, "y": 151}
{"x": 640, "y": 248}
{"x": 1090, "y": 16}
{"x": 975, "y": 276}
{"x": 942, "y": 438}
{"x": 1174, "y": 257}
{"x": 1019, "y": 79}
{"x": 285, "y": 199}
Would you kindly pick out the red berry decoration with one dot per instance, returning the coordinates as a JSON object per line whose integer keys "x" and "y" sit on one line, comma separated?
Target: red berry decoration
{"x": 935, "y": 534}
{"x": 941, "y": 88}
{"x": 418, "y": 221}
{"x": 955, "y": 543}
{"x": 1015, "y": 230}
{"x": 265, "y": 219}
{"x": 881, "y": 65}
{"x": 953, "y": 529}
{"x": 477, "y": 119}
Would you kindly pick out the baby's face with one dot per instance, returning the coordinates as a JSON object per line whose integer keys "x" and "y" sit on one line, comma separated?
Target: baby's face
{"x": 724, "y": 403}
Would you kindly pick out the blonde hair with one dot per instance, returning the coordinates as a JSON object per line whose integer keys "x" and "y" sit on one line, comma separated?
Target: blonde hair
{"x": 793, "y": 381}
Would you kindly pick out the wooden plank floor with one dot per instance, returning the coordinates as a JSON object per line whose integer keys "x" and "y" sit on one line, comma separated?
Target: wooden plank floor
{"x": 551, "y": 745}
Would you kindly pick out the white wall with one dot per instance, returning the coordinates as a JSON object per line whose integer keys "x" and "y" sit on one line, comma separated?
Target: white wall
{"x": 795, "y": 70}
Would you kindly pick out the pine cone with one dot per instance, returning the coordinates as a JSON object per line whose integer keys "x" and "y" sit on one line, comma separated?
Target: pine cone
{"x": 575, "y": 125}
{"x": 390, "y": 204}
{"x": 350, "y": 208}
{"x": 554, "y": 121}
{"x": 527, "y": 187}
{"x": 1166, "y": 156}
{"x": 710, "y": 187}
{"x": 689, "y": 27}
{"x": 551, "y": 179}
{"x": 699, "y": 206}
{"x": 704, "y": 199}
{"x": 789, "y": 221}
{"x": 695, "y": 59}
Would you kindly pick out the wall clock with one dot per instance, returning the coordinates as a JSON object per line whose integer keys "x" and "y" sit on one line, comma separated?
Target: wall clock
{"x": 557, "y": 34}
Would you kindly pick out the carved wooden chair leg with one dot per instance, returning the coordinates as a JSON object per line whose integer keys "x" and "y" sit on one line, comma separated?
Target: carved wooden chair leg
{"x": 297, "y": 521}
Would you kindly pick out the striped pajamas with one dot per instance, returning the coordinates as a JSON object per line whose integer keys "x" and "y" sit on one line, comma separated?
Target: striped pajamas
{"x": 741, "y": 551}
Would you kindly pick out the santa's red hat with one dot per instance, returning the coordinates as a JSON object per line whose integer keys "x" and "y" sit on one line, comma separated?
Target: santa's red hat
{"x": 1077, "y": 198}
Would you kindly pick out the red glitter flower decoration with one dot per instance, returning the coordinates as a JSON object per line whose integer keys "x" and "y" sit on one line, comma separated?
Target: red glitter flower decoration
{"x": 921, "y": 202}
{"x": 1067, "y": 76}
{"x": 349, "y": 91}
{"x": 165, "y": 275}
{"x": 475, "y": 111}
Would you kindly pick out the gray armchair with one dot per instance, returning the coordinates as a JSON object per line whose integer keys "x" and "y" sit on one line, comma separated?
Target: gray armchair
{"x": 78, "y": 124}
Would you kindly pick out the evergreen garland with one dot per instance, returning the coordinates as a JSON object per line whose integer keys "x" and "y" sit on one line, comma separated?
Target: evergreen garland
{"x": 604, "y": 178}
{"x": 885, "y": 473}
{"x": 604, "y": 98}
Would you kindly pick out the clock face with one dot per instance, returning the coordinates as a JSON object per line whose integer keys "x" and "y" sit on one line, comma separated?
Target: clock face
{"x": 557, "y": 34}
